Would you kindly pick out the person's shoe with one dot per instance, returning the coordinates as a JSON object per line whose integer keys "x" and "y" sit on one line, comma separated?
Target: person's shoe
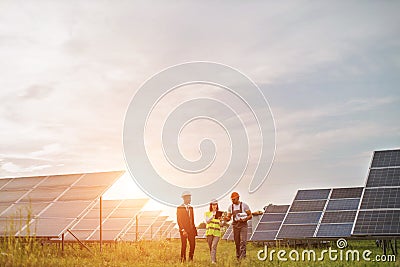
{"x": 213, "y": 262}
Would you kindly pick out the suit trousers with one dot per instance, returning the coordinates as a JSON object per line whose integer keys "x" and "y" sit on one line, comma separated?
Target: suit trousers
{"x": 192, "y": 244}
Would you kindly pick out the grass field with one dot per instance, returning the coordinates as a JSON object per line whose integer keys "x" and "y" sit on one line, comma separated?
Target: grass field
{"x": 157, "y": 253}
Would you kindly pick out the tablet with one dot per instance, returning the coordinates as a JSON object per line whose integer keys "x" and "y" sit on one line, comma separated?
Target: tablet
{"x": 218, "y": 214}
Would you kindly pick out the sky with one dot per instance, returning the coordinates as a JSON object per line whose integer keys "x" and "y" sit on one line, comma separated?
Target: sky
{"x": 329, "y": 71}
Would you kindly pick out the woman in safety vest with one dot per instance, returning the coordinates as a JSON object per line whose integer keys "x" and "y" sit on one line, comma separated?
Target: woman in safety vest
{"x": 213, "y": 232}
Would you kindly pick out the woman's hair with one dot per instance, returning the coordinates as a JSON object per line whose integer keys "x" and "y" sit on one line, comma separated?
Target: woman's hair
{"x": 211, "y": 209}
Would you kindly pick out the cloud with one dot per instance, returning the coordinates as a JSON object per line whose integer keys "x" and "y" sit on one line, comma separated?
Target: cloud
{"x": 310, "y": 134}
{"x": 11, "y": 167}
{"x": 332, "y": 110}
{"x": 48, "y": 150}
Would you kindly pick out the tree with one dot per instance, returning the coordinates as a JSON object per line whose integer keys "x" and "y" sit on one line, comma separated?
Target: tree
{"x": 202, "y": 226}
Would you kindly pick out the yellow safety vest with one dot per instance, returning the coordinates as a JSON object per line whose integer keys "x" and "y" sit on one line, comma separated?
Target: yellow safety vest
{"x": 213, "y": 227}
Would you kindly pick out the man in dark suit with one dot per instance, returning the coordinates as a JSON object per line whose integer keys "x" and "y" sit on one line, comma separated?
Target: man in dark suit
{"x": 187, "y": 229}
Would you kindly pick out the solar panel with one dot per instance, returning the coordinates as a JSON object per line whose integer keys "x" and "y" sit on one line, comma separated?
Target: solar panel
{"x": 333, "y": 217}
{"x": 169, "y": 231}
{"x": 312, "y": 194}
{"x": 383, "y": 177}
{"x": 312, "y": 205}
{"x": 335, "y": 230}
{"x": 201, "y": 233}
{"x": 23, "y": 183}
{"x": 164, "y": 230}
{"x": 272, "y": 226}
{"x": 45, "y": 199}
{"x": 4, "y": 181}
{"x": 155, "y": 229}
{"x": 351, "y": 192}
{"x": 249, "y": 229}
{"x": 175, "y": 233}
{"x": 264, "y": 235}
{"x": 343, "y": 204}
{"x": 378, "y": 222}
{"x": 273, "y": 217}
{"x": 269, "y": 223}
{"x": 341, "y": 209}
{"x": 145, "y": 221}
{"x": 381, "y": 198}
{"x": 302, "y": 218}
{"x": 386, "y": 158}
{"x": 11, "y": 196}
{"x": 117, "y": 216}
{"x": 304, "y": 214}
{"x": 379, "y": 212}
{"x": 296, "y": 231}
{"x": 72, "y": 209}
{"x": 276, "y": 209}
{"x": 227, "y": 233}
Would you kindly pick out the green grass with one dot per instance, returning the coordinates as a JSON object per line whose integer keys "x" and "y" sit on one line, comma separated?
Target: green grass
{"x": 15, "y": 252}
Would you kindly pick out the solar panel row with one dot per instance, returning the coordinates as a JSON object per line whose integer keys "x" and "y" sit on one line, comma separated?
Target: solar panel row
{"x": 52, "y": 204}
{"x": 312, "y": 216}
{"x": 48, "y": 205}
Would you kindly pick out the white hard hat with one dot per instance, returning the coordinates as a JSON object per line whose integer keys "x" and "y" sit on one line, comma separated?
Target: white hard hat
{"x": 214, "y": 201}
{"x": 186, "y": 193}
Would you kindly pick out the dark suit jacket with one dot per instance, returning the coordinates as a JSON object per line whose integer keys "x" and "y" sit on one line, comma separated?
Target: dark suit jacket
{"x": 184, "y": 221}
